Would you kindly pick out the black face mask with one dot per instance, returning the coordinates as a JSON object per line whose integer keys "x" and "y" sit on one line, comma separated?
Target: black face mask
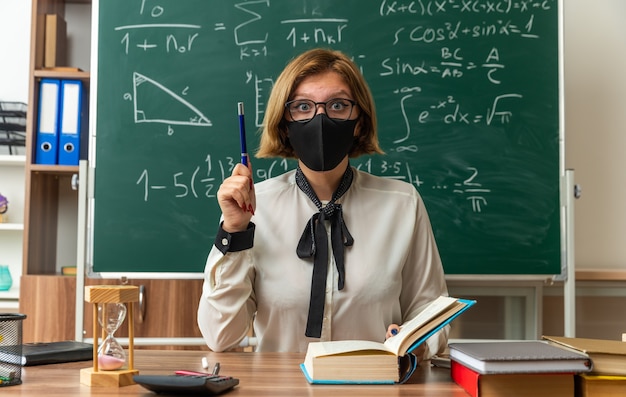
{"x": 321, "y": 143}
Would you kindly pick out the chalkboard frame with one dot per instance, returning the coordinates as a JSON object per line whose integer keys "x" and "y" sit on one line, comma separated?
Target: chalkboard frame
{"x": 174, "y": 274}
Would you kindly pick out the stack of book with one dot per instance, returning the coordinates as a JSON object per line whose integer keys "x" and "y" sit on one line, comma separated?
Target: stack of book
{"x": 608, "y": 376}
{"x": 516, "y": 368}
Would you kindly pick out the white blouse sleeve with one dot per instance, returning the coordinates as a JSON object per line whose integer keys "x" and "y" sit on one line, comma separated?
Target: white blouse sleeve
{"x": 227, "y": 304}
{"x": 423, "y": 278}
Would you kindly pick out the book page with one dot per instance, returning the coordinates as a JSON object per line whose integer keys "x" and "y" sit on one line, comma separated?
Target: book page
{"x": 407, "y": 329}
{"x": 320, "y": 349}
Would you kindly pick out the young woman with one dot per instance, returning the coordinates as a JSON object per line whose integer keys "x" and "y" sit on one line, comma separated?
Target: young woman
{"x": 323, "y": 252}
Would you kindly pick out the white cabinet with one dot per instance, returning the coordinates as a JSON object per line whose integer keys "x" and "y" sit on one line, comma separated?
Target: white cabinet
{"x": 12, "y": 229}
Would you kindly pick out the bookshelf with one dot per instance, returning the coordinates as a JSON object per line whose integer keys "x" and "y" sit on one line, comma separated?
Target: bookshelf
{"x": 12, "y": 187}
{"x": 49, "y": 240}
{"x": 51, "y": 218}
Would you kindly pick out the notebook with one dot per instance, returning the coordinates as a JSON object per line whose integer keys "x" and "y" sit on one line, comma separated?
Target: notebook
{"x": 518, "y": 357}
{"x": 47, "y": 353}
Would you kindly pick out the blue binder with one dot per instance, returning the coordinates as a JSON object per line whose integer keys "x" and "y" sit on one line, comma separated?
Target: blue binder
{"x": 70, "y": 121}
{"x": 47, "y": 122}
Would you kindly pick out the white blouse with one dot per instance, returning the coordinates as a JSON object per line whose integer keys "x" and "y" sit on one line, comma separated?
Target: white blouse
{"x": 392, "y": 270}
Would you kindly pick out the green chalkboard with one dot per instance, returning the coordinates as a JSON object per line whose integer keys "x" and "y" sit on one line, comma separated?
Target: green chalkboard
{"x": 467, "y": 94}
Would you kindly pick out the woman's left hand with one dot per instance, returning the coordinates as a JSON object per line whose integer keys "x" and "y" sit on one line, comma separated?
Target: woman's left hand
{"x": 392, "y": 330}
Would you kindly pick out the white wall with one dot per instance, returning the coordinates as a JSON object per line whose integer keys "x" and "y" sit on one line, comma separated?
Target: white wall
{"x": 15, "y": 34}
{"x": 595, "y": 128}
{"x": 595, "y": 112}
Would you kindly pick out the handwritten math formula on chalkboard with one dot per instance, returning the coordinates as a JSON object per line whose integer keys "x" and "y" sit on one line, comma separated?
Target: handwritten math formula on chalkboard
{"x": 203, "y": 182}
{"x": 467, "y": 97}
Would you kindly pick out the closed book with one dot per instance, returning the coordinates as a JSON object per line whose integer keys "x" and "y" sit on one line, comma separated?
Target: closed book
{"x": 518, "y": 357}
{"x": 40, "y": 40}
{"x": 68, "y": 270}
{"x": 608, "y": 356}
{"x": 600, "y": 385}
{"x": 47, "y": 353}
{"x": 72, "y": 122}
{"x": 47, "y": 138}
{"x": 359, "y": 361}
{"x": 512, "y": 385}
{"x": 55, "y": 41}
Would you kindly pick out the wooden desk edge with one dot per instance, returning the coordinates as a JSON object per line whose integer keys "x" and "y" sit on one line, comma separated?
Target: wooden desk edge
{"x": 258, "y": 374}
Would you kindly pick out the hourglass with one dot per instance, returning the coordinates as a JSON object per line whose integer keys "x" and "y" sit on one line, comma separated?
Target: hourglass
{"x": 110, "y": 353}
{"x": 112, "y": 304}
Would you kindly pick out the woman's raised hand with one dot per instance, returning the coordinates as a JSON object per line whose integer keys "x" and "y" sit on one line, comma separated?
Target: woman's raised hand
{"x": 236, "y": 199}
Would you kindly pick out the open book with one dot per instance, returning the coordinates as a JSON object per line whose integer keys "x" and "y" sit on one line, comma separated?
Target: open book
{"x": 358, "y": 361}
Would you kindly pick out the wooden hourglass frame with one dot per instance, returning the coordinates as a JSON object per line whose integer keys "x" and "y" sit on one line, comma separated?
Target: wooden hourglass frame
{"x": 103, "y": 294}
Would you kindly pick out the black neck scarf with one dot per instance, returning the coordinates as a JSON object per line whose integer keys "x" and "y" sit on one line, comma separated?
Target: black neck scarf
{"x": 314, "y": 243}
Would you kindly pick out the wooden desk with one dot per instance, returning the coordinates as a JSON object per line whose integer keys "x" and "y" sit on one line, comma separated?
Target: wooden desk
{"x": 260, "y": 374}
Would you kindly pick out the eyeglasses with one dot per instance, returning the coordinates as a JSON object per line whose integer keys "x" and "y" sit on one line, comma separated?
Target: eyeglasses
{"x": 303, "y": 110}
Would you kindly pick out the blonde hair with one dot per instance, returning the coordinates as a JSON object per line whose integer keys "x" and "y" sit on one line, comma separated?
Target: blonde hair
{"x": 274, "y": 139}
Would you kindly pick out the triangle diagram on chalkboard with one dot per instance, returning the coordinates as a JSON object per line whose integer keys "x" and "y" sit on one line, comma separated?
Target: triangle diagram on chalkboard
{"x": 155, "y": 103}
